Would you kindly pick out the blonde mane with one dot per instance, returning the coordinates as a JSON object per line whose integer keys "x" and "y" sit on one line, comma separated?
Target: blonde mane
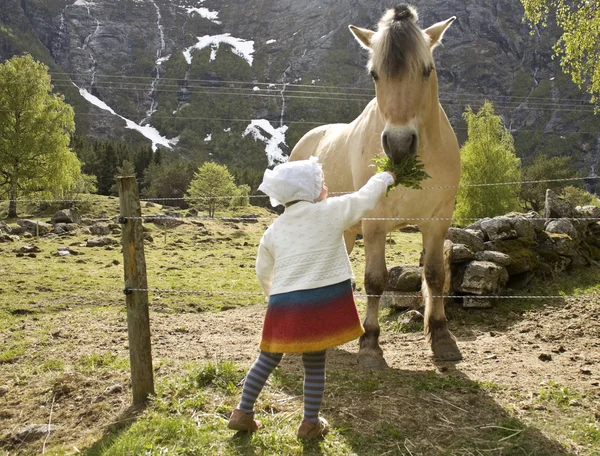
{"x": 399, "y": 46}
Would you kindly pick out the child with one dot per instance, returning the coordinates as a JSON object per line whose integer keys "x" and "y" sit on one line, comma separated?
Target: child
{"x": 304, "y": 269}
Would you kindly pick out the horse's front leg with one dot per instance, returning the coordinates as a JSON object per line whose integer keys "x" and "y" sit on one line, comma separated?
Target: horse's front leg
{"x": 442, "y": 342}
{"x": 370, "y": 354}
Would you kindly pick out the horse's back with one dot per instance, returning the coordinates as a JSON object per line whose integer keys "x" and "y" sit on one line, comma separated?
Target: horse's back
{"x": 329, "y": 143}
{"x": 314, "y": 142}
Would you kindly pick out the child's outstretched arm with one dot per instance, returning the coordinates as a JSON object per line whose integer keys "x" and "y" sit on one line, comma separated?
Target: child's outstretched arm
{"x": 264, "y": 267}
{"x": 356, "y": 205}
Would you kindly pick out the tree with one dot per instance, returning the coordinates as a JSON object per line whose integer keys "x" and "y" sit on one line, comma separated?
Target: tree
{"x": 35, "y": 131}
{"x": 544, "y": 169}
{"x": 210, "y": 187}
{"x": 242, "y": 196}
{"x": 578, "y": 46}
{"x": 487, "y": 157}
{"x": 169, "y": 179}
{"x": 577, "y": 196}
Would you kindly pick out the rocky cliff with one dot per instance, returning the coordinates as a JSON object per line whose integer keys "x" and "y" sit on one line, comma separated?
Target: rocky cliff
{"x": 196, "y": 73}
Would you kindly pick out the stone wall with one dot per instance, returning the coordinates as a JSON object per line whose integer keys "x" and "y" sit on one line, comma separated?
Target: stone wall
{"x": 497, "y": 256}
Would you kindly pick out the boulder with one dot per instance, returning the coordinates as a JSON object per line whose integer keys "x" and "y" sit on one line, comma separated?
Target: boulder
{"x": 16, "y": 229}
{"x": 33, "y": 432}
{"x": 557, "y": 207}
{"x": 481, "y": 278}
{"x": 34, "y": 227}
{"x": 100, "y": 229}
{"x": 461, "y": 253}
{"x": 60, "y": 228}
{"x": 473, "y": 302}
{"x": 537, "y": 220}
{"x": 400, "y": 300}
{"x": 562, "y": 226}
{"x": 480, "y": 234}
{"x": 100, "y": 242}
{"x": 5, "y": 238}
{"x": 589, "y": 212}
{"x": 29, "y": 249}
{"x": 524, "y": 227}
{"x": 562, "y": 244}
{"x": 465, "y": 237}
{"x": 521, "y": 252}
{"x": 495, "y": 257}
{"x": 498, "y": 228}
{"x": 67, "y": 216}
{"x": 405, "y": 278}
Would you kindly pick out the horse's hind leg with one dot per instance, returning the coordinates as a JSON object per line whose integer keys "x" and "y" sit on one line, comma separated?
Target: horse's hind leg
{"x": 442, "y": 342}
{"x": 370, "y": 354}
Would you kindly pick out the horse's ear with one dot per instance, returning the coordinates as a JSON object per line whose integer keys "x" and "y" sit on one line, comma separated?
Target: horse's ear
{"x": 362, "y": 35}
{"x": 436, "y": 31}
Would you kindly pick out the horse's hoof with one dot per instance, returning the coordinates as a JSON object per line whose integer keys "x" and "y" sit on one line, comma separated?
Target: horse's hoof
{"x": 446, "y": 350}
{"x": 370, "y": 361}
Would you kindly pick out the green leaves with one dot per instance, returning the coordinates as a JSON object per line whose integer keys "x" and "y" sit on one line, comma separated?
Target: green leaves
{"x": 578, "y": 46}
{"x": 487, "y": 157}
{"x": 210, "y": 188}
{"x": 409, "y": 172}
{"x": 35, "y": 131}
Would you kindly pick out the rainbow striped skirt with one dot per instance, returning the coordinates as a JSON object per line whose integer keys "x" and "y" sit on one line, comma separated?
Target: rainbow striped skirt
{"x": 311, "y": 320}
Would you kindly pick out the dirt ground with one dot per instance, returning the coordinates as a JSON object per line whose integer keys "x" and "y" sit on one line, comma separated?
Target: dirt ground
{"x": 521, "y": 352}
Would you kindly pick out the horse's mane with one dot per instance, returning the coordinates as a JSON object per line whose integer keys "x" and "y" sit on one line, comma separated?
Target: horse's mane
{"x": 400, "y": 45}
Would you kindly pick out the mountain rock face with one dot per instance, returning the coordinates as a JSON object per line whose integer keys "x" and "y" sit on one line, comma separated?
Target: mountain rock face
{"x": 196, "y": 73}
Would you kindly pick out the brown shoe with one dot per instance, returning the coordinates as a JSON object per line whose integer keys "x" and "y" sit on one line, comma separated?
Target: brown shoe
{"x": 242, "y": 421}
{"x": 311, "y": 431}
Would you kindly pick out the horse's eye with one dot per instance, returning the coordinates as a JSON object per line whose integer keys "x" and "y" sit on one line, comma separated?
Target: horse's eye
{"x": 374, "y": 75}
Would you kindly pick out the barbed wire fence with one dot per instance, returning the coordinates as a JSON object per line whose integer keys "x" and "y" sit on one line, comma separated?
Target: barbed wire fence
{"x": 136, "y": 289}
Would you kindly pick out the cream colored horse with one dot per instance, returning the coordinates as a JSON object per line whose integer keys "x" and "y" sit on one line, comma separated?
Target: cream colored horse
{"x": 405, "y": 118}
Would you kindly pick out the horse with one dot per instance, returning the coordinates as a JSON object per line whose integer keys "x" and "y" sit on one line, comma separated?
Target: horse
{"x": 404, "y": 119}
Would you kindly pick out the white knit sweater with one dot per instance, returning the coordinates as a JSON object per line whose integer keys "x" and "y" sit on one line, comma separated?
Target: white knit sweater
{"x": 304, "y": 248}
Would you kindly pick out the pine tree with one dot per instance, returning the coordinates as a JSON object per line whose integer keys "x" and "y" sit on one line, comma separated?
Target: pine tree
{"x": 35, "y": 131}
{"x": 487, "y": 157}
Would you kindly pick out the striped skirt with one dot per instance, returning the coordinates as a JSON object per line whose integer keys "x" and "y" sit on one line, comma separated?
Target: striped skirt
{"x": 311, "y": 320}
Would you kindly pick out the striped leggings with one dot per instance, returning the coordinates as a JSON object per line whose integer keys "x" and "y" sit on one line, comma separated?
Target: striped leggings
{"x": 314, "y": 381}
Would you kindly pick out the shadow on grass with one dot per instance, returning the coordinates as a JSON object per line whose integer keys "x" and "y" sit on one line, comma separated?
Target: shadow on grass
{"x": 122, "y": 424}
{"x": 242, "y": 441}
{"x": 403, "y": 412}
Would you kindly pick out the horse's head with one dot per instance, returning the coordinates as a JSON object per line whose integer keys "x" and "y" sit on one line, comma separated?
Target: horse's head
{"x": 402, "y": 68}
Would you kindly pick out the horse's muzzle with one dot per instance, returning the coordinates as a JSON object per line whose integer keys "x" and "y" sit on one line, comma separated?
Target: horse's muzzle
{"x": 399, "y": 143}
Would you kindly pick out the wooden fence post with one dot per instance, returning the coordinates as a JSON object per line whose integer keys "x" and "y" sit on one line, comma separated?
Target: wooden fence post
{"x": 134, "y": 263}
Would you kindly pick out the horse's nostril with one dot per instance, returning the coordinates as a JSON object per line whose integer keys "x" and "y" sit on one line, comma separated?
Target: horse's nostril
{"x": 413, "y": 144}
{"x": 385, "y": 143}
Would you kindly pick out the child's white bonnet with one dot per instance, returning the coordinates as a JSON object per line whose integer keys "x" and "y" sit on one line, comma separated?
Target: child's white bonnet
{"x": 293, "y": 181}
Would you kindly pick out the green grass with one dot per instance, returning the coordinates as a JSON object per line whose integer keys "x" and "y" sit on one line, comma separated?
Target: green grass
{"x": 558, "y": 395}
{"x": 11, "y": 355}
{"x": 189, "y": 417}
{"x": 102, "y": 361}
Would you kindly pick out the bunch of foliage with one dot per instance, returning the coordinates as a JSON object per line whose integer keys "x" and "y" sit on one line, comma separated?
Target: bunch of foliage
{"x": 35, "y": 130}
{"x": 488, "y": 157}
{"x": 578, "y": 46}
{"x": 212, "y": 188}
{"x": 544, "y": 169}
{"x": 409, "y": 171}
